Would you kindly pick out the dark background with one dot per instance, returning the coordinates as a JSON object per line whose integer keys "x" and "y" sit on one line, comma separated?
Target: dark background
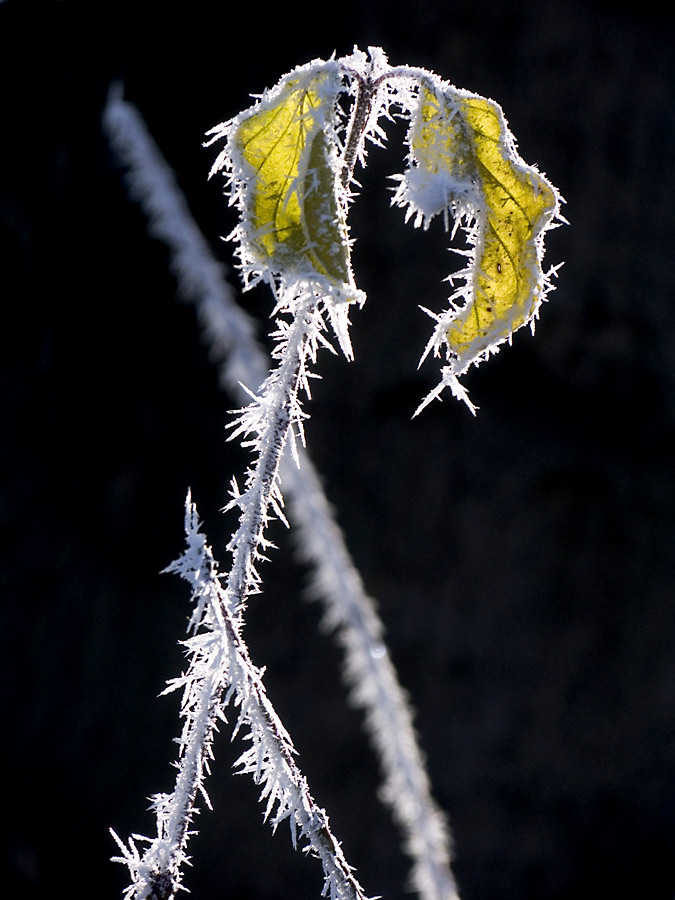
{"x": 523, "y": 561}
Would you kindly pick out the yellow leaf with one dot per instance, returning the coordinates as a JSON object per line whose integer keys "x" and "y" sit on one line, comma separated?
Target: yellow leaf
{"x": 466, "y": 154}
{"x": 519, "y": 204}
{"x": 444, "y": 174}
{"x": 294, "y": 222}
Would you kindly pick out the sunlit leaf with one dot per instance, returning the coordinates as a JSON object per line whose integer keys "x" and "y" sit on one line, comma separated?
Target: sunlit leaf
{"x": 519, "y": 204}
{"x": 443, "y": 174}
{"x": 465, "y": 161}
{"x": 294, "y": 222}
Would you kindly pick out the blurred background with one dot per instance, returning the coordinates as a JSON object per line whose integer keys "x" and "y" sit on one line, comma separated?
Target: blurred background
{"x": 523, "y": 561}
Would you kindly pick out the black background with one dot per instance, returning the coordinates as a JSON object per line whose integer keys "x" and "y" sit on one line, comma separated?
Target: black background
{"x": 523, "y": 561}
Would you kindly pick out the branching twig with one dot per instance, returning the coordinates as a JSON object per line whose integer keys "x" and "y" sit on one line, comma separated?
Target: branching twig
{"x": 221, "y": 672}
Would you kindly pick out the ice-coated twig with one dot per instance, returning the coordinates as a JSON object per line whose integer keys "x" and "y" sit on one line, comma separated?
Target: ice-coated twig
{"x": 221, "y": 674}
{"x": 265, "y": 425}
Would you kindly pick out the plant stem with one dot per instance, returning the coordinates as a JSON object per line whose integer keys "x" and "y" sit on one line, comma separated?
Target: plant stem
{"x": 365, "y": 91}
{"x": 269, "y": 420}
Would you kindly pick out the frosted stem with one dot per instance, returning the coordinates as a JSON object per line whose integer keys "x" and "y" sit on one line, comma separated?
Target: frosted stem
{"x": 269, "y": 419}
{"x": 220, "y": 665}
{"x": 220, "y": 671}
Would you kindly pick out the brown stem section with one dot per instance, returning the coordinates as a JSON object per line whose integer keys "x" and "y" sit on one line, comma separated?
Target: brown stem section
{"x": 357, "y": 126}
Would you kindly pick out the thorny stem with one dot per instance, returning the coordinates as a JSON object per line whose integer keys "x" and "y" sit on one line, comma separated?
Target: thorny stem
{"x": 316, "y": 826}
{"x": 242, "y": 581}
{"x": 312, "y": 820}
{"x": 276, "y": 410}
{"x": 252, "y": 523}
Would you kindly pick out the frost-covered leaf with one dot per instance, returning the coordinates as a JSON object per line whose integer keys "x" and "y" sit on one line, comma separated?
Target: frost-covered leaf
{"x": 284, "y": 151}
{"x": 442, "y": 174}
{"x": 464, "y": 160}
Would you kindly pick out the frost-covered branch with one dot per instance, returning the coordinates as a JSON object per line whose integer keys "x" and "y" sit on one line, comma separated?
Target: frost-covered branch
{"x": 288, "y": 163}
{"x": 265, "y": 425}
{"x": 221, "y": 674}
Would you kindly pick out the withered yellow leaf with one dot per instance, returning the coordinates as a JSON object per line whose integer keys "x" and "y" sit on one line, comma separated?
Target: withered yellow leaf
{"x": 293, "y": 218}
{"x": 466, "y": 161}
